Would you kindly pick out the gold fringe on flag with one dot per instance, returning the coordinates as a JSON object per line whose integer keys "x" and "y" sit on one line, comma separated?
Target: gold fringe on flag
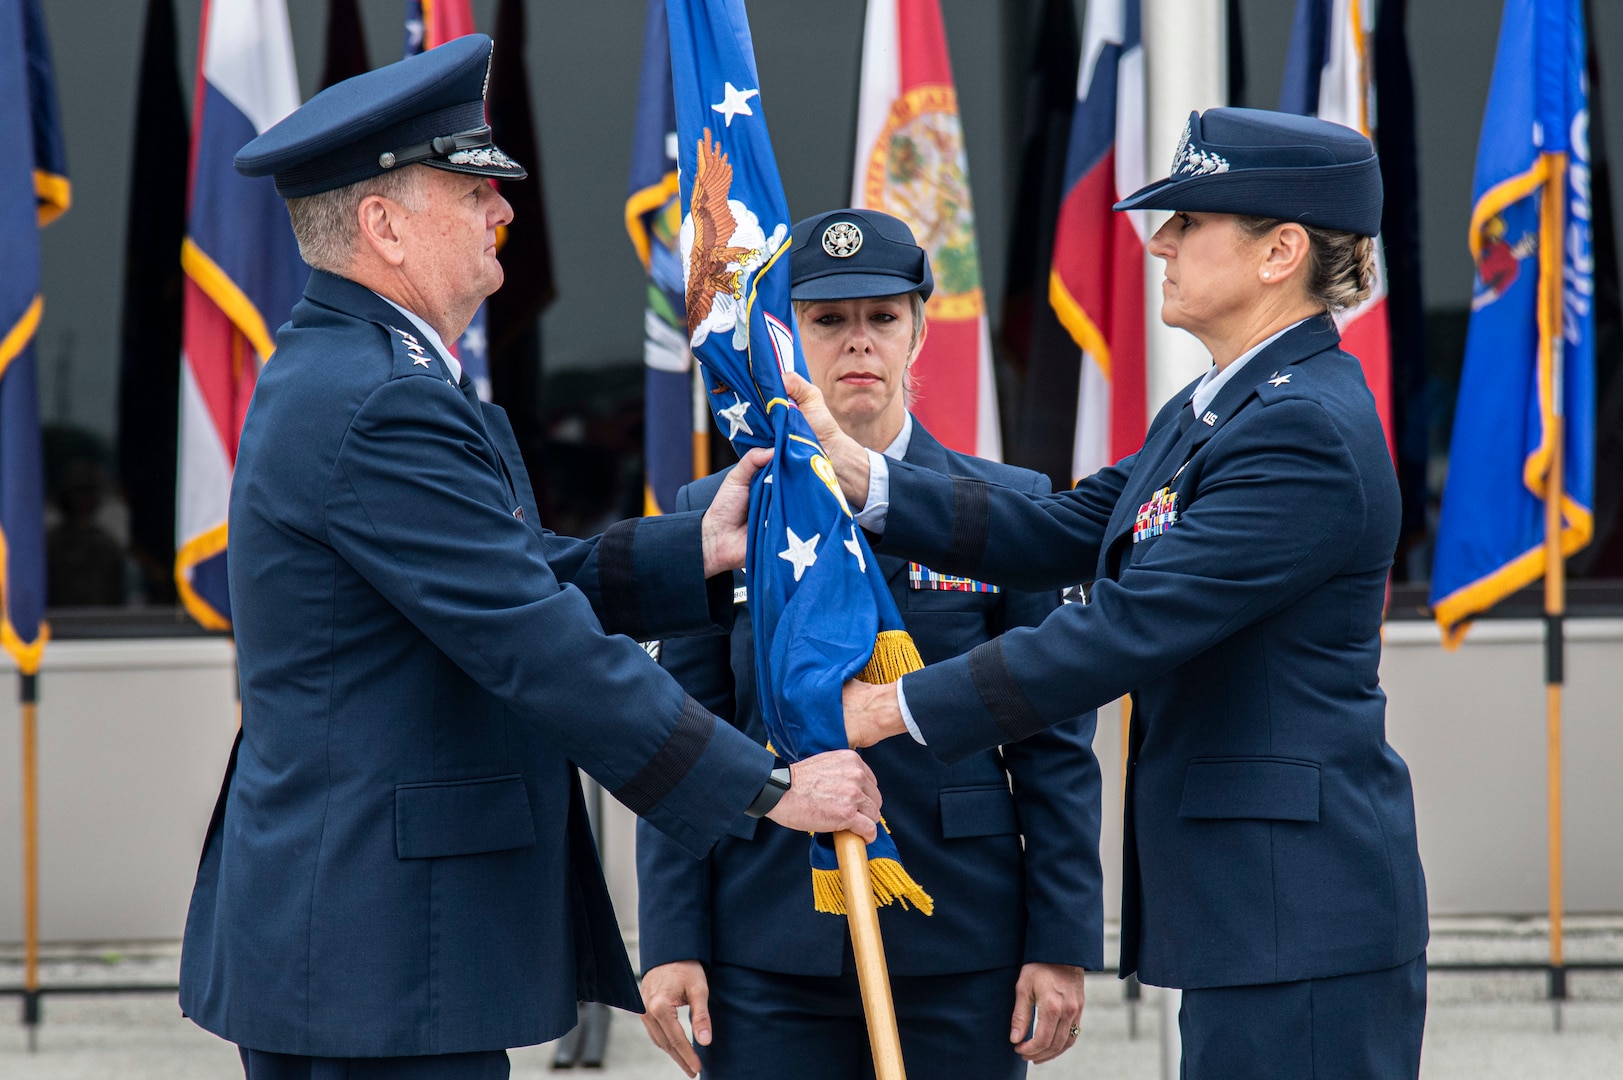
{"x": 894, "y": 655}
{"x": 891, "y": 884}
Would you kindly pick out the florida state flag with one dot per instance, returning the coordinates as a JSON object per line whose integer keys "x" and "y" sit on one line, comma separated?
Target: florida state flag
{"x": 910, "y": 162}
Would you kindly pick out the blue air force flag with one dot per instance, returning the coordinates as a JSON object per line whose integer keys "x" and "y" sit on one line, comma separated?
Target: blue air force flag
{"x": 1530, "y": 350}
{"x": 33, "y": 191}
{"x": 821, "y": 610}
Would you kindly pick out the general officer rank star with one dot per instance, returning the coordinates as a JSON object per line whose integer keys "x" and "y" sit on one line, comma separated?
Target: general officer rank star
{"x": 1156, "y": 516}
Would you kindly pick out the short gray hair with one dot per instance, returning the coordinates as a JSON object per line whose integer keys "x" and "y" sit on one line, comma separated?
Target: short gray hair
{"x": 327, "y": 224}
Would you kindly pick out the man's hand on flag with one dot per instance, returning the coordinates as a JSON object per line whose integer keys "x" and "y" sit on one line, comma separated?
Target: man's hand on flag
{"x": 830, "y": 792}
{"x": 848, "y": 456}
{"x": 665, "y": 989}
{"x": 725, "y": 530}
{"x": 872, "y": 713}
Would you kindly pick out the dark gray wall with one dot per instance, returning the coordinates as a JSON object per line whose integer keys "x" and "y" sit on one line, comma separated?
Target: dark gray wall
{"x": 584, "y": 63}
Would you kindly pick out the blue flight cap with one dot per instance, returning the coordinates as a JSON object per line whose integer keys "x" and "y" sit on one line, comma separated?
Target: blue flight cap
{"x": 1269, "y": 164}
{"x": 854, "y": 254}
{"x": 427, "y": 109}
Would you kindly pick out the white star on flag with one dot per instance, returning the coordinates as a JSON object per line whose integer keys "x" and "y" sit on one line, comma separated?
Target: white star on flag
{"x": 735, "y": 101}
{"x": 854, "y": 546}
{"x": 734, "y": 415}
{"x": 801, "y": 552}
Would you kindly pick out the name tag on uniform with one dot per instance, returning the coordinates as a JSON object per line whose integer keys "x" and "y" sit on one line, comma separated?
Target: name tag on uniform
{"x": 922, "y": 577}
{"x": 1156, "y": 516}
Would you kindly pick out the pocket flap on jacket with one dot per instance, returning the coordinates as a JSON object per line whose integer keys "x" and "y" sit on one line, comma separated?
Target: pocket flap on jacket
{"x": 978, "y": 811}
{"x": 1278, "y": 789}
{"x": 462, "y": 817}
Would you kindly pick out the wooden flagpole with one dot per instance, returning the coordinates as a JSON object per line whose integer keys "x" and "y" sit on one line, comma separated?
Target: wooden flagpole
{"x": 873, "y": 976}
{"x": 28, "y": 695}
{"x": 1551, "y": 259}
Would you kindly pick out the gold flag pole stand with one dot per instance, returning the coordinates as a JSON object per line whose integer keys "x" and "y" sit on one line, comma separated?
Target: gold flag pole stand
{"x": 1551, "y": 259}
{"x": 28, "y": 696}
{"x": 873, "y": 976}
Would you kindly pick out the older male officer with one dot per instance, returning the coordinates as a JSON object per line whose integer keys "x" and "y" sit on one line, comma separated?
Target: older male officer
{"x": 1015, "y": 874}
{"x": 398, "y": 881}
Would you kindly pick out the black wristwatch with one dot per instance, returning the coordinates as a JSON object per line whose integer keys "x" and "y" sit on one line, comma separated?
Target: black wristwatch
{"x": 776, "y": 786}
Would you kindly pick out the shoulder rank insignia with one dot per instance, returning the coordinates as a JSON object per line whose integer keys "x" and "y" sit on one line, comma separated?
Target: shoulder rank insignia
{"x": 1156, "y": 516}
{"x": 1276, "y": 379}
{"x": 413, "y": 346}
{"x": 922, "y": 577}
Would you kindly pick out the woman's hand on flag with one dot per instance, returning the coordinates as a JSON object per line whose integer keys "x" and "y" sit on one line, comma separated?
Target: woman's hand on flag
{"x": 848, "y": 456}
{"x": 872, "y": 713}
{"x": 725, "y": 530}
{"x": 830, "y": 792}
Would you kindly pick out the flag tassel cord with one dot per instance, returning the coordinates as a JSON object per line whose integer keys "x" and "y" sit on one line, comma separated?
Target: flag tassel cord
{"x": 1551, "y": 257}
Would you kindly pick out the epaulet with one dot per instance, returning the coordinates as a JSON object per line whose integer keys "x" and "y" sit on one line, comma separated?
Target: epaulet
{"x": 1286, "y": 383}
{"x": 412, "y": 357}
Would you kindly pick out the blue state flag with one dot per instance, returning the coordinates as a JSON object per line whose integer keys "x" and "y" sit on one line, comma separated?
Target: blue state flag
{"x": 1530, "y": 351}
{"x": 821, "y": 611}
{"x": 34, "y": 190}
{"x": 674, "y": 442}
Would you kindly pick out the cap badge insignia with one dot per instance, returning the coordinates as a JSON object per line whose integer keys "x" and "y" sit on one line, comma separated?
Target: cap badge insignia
{"x": 842, "y": 239}
{"x": 1193, "y": 161}
{"x": 484, "y": 157}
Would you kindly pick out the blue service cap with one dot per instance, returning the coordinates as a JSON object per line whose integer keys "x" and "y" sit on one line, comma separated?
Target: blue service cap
{"x": 854, "y": 254}
{"x": 427, "y": 109}
{"x": 1269, "y": 164}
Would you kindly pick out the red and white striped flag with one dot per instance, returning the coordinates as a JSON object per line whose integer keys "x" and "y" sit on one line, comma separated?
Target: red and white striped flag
{"x": 910, "y": 162}
{"x": 243, "y": 276}
{"x": 1328, "y": 74}
{"x": 1097, "y": 282}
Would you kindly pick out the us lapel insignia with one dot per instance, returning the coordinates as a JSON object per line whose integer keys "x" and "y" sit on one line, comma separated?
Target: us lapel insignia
{"x": 1209, "y": 419}
{"x": 1156, "y": 516}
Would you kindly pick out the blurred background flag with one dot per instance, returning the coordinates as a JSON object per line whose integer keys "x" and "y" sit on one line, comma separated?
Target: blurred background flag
{"x": 676, "y": 420}
{"x": 513, "y": 313}
{"x": 243, "y": 276}
{"x": 1396, "y": 139}
{"x": 149, "y": 338}
{"x": 910, "y": 162}
{"x": 1096, "y": 285}
{"x": 1328, "y": 74}
{"x": 1529, "y": 356}
{"x": 1038, "y": 349}
{"x": 34, "y": 191}
{"x": 345, "y": 54}
{"x": 820, "y": 606}
{"x": 431, "y": 23}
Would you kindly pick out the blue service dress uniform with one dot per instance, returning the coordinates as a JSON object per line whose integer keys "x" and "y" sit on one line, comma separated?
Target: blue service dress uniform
{"x": 783, "y": 995}
{"x": 1239, "y": 562}
{"x": 399, "y": 862}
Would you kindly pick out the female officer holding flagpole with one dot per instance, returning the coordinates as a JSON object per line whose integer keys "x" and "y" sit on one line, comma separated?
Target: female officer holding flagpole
{"x": 1239, "y": 564}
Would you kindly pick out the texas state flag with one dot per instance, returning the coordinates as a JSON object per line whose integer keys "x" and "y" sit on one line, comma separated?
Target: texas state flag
{"x": 1096, "y": 285}
{"x": 243, "y": 276}
{"x": 1328, "y": 74}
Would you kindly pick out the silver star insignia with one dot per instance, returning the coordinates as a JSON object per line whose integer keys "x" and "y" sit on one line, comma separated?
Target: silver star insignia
{"x": 854, "y": 546}
{"x": 1276, "y": 379}
{"x": 421, "y": 361}
{"x": 734, "y": 101}
{"x": 801, "y": 552}
{"x": 734, "y": 415}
